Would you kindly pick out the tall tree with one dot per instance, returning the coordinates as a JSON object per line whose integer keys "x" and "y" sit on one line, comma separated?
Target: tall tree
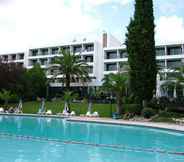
{"x": 140, "y": 44}
{"x": 12, "y": 77}
{"x": 36, "y": 82}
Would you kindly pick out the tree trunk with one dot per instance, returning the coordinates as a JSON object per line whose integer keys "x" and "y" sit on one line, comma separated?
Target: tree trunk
{"x": 119, "y": 104}
{"x": 67, "y": 82}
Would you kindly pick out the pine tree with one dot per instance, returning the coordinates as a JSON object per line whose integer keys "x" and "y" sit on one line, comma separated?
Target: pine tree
{"x": 141, "y": 50}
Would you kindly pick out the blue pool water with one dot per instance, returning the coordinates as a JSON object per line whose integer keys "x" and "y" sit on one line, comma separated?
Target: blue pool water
{"x": 31, "y": 139}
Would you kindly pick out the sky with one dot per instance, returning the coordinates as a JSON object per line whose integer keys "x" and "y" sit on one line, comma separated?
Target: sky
{"x": 36, "y": 23}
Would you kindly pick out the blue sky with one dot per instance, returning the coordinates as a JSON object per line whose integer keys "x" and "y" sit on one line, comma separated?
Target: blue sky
{"x": 31, "y": 23}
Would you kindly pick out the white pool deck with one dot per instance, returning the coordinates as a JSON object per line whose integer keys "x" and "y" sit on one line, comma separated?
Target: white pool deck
{"x": 169, "y": 126}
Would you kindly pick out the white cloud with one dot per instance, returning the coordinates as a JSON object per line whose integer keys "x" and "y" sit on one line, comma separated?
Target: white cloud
{"x": 125, "y": 2}
{"x": 170, "y": 29}
{"x": 102, "y": 2}
{"x": 38, "y": 22}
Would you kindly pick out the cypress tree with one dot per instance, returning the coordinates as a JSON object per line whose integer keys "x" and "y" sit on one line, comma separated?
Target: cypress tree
{"x": 140, "y": 44}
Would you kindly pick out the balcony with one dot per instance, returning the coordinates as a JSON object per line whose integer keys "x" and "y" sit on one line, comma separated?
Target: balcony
{"x": 43, "y": 61}
{"x": 161, "y": 64}
{"x": 89, "y": 48}
{"x": 77, "y": 49}
{"x": 123, "y": 54}
{"x": 111, "y": 67}
{"x": 44, "y": 52}
{"x": 32, "y": 62}
{"x": 174, "y": 51}
{"x": 111, "y": 55}
{"x": 172, "y": 64}
{"x": 90, "y": 69}
{"x": 88, "y": 58}
{"x": 54, "y": 51}
{"x": 160, "y": 51}
{"x": 34, "y": 53}
{"x": 13, "y": 57}
{"x": 21, "y": 56}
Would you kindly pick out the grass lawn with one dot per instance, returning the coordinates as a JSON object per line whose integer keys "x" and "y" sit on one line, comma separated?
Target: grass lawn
{"x": 57, "y": 106}
{"x": 104, "y": 110}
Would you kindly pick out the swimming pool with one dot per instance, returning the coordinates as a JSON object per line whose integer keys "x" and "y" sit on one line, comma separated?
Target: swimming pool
{"x": 34, "y": 139}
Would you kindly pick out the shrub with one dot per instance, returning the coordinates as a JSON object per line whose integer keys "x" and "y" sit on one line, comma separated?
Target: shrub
{"x": 163, "y": 102}
{"x": 156, "y": 105}
{"x": 132, "y": 108}
{"x": 176, "y": 109}
{"x": 148, "y": 112}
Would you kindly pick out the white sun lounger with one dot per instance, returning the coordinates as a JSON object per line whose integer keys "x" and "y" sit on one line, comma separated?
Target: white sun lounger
{"x": 49, "y": 112}
{"x": 179, "y": 121}
{"x": 1, "y": 110}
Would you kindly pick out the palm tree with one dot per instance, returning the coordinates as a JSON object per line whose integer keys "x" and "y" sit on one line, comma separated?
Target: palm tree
{"x": 71, "y": 67}
{"x": 176, "y": 80}
{"x": 116, "y": 84}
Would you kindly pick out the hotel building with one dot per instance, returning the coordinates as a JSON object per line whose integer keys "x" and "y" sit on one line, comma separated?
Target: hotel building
{"x": 103, "y": 55}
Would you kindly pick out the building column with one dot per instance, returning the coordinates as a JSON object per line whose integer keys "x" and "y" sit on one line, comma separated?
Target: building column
{"x": 118, "y": 54}
{"x": 182, "y": 49}
{"x": 49, "y": 51}
{"x": 174, "y": 92}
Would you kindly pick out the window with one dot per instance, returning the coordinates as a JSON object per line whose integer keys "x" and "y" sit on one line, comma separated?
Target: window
{"x": 77, "y": 49}
{"x": 66, "y": 48}
{"x": 160, "y": 51}
{"x": 32, "y": 62}
{"x": 34, "y": 52}
{"x": 54, "y": 51}
{"x": 21, "y": 56}
{"x": 90, "y": 69}
{"x": 89, "y": 47}
{"x": 44, "y": 51}
{"x": 174, "y": 51}
{"x": 172, "y": 64}
{"x": 88, "y": 58}
{"x": 111, "y": 67}
{"x": 13, "y": 57}
{"x": 123, "y": 54}
{"x": 5, "y": 58}
{"x": 43, "y": 61}
{"x": 111, "y": 55}
{"x": 161, "y": 64}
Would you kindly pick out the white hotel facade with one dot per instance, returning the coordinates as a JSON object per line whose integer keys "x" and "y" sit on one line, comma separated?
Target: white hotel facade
{"x": 103, "y": 56}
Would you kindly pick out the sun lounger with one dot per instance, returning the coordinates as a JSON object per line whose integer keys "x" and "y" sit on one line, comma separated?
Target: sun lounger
{"x": 1, "y": 110}
{"x": 72, "y": 113}
{"x": 179, "y": 120}
{"x": 49, "y": 112}
{"x": 88, "y": 114}
{"x": 95, "y": 114}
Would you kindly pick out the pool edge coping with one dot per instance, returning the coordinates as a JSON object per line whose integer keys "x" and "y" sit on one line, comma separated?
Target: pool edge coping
{"x": 165, "y": 126}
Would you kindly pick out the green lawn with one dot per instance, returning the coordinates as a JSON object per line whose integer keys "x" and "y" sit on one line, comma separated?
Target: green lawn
{"x": 104, "y": 110}
{"x": 57, "y": 106}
